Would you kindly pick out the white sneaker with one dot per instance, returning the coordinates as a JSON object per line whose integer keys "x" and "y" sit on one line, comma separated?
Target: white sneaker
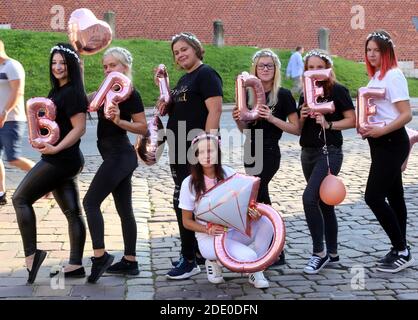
{"x": 214, "y": 272}
{"x": 258, "y": 280}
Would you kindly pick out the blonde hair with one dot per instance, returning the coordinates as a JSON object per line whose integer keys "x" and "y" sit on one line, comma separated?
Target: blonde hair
{"x": 2, "y": 49}
{"x": 123, "y": 56}
{"x": 272, "y": 97}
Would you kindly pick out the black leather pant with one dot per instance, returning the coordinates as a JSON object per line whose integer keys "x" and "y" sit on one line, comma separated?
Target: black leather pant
{"x": 61, "y": 179}
{"x": 113, "y": 176}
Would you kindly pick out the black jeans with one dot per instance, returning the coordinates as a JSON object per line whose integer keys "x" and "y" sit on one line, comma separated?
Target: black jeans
{"x": 271, "y": 164}
{"x": 61, "y": 179}
{"x": 385, "y": 182}
{"x": 113, "y": 176}
{"x": 189, "y": 246}
{"x": 320, "y": 217}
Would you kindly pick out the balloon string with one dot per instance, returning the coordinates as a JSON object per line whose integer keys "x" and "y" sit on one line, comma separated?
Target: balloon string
{"x": 325, "y": 147}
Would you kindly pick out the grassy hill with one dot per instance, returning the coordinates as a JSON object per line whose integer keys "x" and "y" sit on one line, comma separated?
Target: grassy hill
{"x": 32, "y": 50}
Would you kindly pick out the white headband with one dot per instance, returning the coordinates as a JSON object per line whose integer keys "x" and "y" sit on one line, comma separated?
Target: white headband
{"x": 193, "y": 38}
{"x": 318, "y": 54}
{"x": 61, "y": 48}
{"x": 381, "y": 36}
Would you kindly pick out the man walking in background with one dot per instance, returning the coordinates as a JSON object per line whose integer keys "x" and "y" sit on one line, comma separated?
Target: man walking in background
{"x": 295, "y": 70}
{"x": 12, "y": 117}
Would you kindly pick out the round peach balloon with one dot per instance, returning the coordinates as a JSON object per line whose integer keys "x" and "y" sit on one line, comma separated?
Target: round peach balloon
{"x": 88, "y": 34}
{"x": 332, "y": 190}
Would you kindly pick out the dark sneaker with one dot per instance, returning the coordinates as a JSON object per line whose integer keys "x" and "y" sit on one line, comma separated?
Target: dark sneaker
{"x": 315, "y": 264}
{"x": 183, "y": 270}
{"x": 39, "y": 257}
{"x": 77, "y": 273}
{"x": 334, "y": 259}
{"x": 99, "y": 266}
{"x": 124, "y": 267}
{"x": 389, "y": 257}
{"x": 199, "y": 260}
{"x": 3, "y": 200}
{"x": 401, "y": 262}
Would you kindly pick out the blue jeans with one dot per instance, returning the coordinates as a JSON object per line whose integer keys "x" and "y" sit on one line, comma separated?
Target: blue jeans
{"x": 320, "y": 217}
{"x": 11, "y": 139}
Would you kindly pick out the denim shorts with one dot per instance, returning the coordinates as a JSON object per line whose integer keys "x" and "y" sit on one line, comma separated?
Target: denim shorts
{"x": 11, "y": 139}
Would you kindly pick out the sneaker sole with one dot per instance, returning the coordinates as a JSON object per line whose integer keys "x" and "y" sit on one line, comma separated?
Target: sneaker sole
{"x": 185, "y": 275}
{"x": 404, "y": 266}
{"x": 315, "y": 271}
{"x": 107, "y": 265}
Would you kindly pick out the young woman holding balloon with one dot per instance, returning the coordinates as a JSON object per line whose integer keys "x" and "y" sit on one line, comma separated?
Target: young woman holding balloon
{"x": 206, "y": 173}
{"x": 389, "y": 148}
{"x": 59, "y": 166}
{"x": 320, "y": 139}
{"x": 123, "y": 111}
{"x": 196, "y": 105}
{"x": 280, "y": 106}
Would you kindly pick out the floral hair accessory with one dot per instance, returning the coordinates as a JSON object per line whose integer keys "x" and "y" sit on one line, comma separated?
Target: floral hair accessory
{"x": 61, "y": 48}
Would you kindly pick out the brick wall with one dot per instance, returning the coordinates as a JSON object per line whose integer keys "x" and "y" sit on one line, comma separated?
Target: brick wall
{"x": 263, "y": 23}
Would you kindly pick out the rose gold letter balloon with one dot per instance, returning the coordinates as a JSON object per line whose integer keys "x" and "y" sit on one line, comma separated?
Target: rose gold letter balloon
{"x": 35, "y": 122}
{"x": 332, "y": 190}
{"x": 366, "y": 109}
{"x": 245, "y": 80}
{"x": 115, "y": 88}
{"x": 279, "y": 233}
{"x": 413, "y": 138}
{"x": 312, "y": 92}
{"x": 164, "y": 85}
{"x": 151, "y": 146}
{"x": 87, "y": 34}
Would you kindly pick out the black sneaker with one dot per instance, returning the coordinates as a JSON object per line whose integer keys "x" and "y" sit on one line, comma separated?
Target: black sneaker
{"x": 99, "y": 266}
{"x": 389, "y": 257}
{"x": 39, "y": 257}
{"x": 199, "y": 260}
{"x": 76, "y": 273}
{"x": 334, "y": 259}
{"x": 315, "y": 264}
{"x": 401, "y": 262}
{"x": 124, "y": 267}
{"x": 183, "y": 270}
{"x": 280, "y": 261}
{"x": 3, "y": 200}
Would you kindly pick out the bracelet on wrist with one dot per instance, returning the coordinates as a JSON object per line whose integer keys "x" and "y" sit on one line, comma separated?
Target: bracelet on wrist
{"x": 330, "y": 125}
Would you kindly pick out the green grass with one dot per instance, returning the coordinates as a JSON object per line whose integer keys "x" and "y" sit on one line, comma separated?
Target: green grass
{"x": 32, "y": 50}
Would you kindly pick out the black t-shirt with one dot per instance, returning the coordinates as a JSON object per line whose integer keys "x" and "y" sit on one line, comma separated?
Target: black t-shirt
{"x": 106, "y": 128}
{"x": 310, "y": 131}
{"x": 68, "y": 103}
{"x": 189, "y": 97}
{"x": 285, "y": 105}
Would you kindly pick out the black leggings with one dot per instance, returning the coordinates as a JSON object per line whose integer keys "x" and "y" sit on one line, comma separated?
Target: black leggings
{"x": 189, "y": 245}
{"x": 271, "y": 164}
{"x": 320, "y": 217}
{"x": 113, "y": 176}
{"x": 385, "y": 181}
{"x": 61, "y": 179}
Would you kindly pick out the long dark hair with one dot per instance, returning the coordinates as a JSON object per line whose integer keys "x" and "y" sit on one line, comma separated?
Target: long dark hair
{"x": 71, "y": 59}
{"x": 197, "y": 181}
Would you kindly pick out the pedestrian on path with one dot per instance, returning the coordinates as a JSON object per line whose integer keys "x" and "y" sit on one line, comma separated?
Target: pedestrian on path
{"x": 59, "y": 167}
{"x": 115, "y": 173}
{"x": 389, "y": 148}
{"x": 320, "y": 217}
{"x": 196, "y": 106}
{"x": 294, "y": 70}
{"x": 205, "y": 174}
{"x": 267, "y": 130}
{"x": 12, "y": 117}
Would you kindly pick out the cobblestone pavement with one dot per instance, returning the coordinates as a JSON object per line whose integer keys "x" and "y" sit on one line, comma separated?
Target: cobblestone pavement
{"x": 362, "y": 241}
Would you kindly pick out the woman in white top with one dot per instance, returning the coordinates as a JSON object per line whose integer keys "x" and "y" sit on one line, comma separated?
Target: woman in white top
{"x": 389, "y": 147}
{"x": 205, "y": 174}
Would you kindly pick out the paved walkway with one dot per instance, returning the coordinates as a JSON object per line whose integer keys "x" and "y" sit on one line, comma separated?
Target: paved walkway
{"x": 362, "y": 241}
